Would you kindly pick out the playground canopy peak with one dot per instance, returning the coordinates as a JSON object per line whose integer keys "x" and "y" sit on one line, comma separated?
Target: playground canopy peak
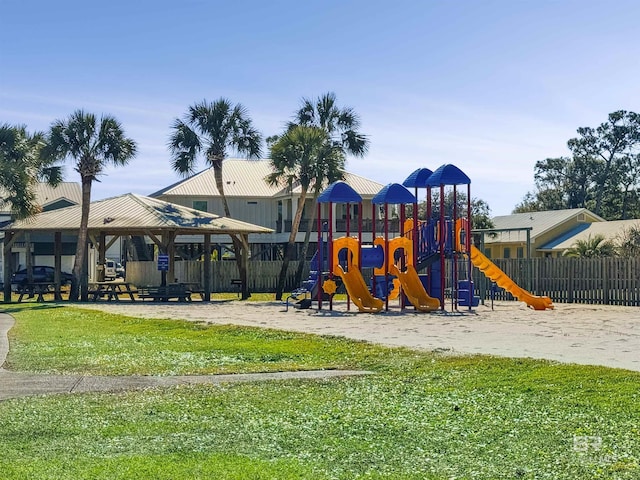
{"x": 339, "y": 192}
{"x": 418, "y": 178}
{"x": 393, "y": 193}
{"x": 448, "y": 175}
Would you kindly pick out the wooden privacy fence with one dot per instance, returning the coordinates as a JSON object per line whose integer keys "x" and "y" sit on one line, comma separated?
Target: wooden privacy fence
{"x": 263, "y": 275}
{"x": 611, "y": 281}
{"x": 608, "y": 281}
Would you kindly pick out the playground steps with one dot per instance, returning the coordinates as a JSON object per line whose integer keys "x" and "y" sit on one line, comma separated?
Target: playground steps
{"x": 465, "y": 292}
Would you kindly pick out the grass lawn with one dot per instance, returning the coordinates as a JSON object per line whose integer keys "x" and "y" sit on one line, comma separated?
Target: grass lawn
{"x": 419, "y": 416}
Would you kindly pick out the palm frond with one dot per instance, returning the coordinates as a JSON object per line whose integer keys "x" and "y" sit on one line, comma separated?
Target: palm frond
{"x": 184, "y": 145}
{"x": 341, "y": 124}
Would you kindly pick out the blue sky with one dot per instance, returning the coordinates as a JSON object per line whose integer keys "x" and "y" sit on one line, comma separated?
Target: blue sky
{"x": 489, "y": 86}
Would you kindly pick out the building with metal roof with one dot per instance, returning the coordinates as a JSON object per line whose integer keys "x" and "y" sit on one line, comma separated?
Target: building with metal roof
{"x": 509, "y": 237}
{"x": 613, "y": 231}
{"x": 49, "y": 198}
{"x": 252, "y": 199}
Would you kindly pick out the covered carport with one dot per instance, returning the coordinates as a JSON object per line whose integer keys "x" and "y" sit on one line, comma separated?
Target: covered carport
{"x": 125, "y": 215}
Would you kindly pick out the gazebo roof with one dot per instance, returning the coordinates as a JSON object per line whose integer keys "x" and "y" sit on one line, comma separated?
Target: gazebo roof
{"x": 131, "y": 213}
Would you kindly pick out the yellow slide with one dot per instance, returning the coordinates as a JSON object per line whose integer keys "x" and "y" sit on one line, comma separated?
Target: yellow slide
{"x": 414, "y": 290}
{"x": 494, "y": 273}
{"x": 358, "y": 290}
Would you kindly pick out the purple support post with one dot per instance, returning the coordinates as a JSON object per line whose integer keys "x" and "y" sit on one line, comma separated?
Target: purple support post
{"x": 386, "y": 255}
{"x": 415, "y": 229}
{"x": 373, "y": 237}
{"x": 454, "y": 255}
{"x": 349, "y": 261}
{"x": 403, "y": 259}
{"x": 320, "y": 255}
{"x": 468, "y": 243}
{"x": 443, "y": 231}
{"x": 330, "y": 249}
{"x": 360, "y": 233}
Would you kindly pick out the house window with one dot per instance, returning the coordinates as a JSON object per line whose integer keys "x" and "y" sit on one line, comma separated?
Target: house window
{"x": 507, "y": 252}
{"x": 520, "y": 252}
{"x": 200, "y": 205}
{"x": 487, "y": 252}
{"x": 353, "y": 210}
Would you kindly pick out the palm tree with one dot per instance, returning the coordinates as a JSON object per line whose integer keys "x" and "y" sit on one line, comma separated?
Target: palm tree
{"x": 21, "y": 167}
{"x": 305, "y": 156}
{"x": 91, "y": 145}
{"x": 628, "y": 241}
{"x": 593, "y": 247}
{"x": 341, "y": 124}
{"x": 211, "y": 128}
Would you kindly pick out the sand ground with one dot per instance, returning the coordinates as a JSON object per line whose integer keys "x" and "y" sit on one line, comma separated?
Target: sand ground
{"x": 571, "y": 333}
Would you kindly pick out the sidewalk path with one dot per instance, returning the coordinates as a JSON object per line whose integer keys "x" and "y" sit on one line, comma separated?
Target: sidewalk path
{"x": 16, "y": 384}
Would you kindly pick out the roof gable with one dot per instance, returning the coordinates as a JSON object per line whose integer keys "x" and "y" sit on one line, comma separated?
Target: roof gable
{"x": 610, "y": 230}
{"x": 539, "y": 222}
{"x": 67, "y": 193}
{"x": 241, "y": 178}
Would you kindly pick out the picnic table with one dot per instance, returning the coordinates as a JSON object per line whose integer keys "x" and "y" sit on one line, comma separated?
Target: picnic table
{"x": 111, "y": 290}
{"x": 163, "y": 293}
{"x": 37, "y": 289}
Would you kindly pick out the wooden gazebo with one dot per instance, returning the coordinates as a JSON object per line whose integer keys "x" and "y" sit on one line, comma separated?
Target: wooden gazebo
{"x": 127, "y": 215}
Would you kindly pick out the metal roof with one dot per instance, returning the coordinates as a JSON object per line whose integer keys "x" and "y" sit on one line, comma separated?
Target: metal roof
{"x": 46, "y": 194}
{"x": 610, "y": 230}
{"x": 363, "y": 186}
{"x": 131, "y": 212}
{"x": 241, "y": 177}
{"x": 246, "y": 178}
{"x": 540, "y": 223}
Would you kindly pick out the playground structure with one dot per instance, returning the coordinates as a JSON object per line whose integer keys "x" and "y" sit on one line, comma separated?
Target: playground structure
{"x": 422, "y": 245}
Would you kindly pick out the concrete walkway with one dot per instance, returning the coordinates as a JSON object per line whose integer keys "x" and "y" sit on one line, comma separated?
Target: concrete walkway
{"x": 16, "y": 384}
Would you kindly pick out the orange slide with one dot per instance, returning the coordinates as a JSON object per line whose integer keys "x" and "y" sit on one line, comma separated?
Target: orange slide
{"x": 414, "y": 290}
{"x": 358, "y": 290}
{"x": 494, "y": 273}
{"x": 411, "y": 285}
{"x": 352, "y": 278}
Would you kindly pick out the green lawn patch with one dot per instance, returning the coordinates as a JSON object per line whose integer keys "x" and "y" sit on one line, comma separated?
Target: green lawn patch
{"x": 53, "y": 339}
{"x": 421, "y": 416}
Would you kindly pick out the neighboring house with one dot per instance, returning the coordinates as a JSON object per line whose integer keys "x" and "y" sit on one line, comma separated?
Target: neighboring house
{"x": 612, "y": 231}
{"x": 251, "y": 199}
{"x": 543, "y": 229}
{"x": 49, "y": 198}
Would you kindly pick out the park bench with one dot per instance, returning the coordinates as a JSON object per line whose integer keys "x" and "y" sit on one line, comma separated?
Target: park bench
{"x": 165, "y": 293}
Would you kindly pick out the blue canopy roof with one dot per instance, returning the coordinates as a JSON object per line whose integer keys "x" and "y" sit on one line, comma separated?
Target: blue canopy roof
{"x": 418, "y": 179}
{"x": 448, "y": 175}
{"x": 339, "y": 192}
{"x": 393, "y": 193}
